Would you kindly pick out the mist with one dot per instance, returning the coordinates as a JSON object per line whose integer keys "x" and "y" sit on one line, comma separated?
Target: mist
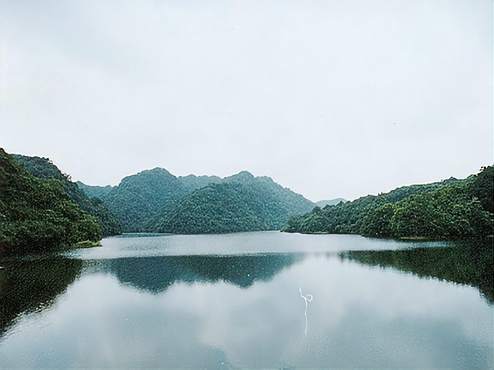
{"x": 329, "y": 98}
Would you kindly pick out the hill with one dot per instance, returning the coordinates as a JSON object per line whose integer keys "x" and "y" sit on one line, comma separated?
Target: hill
{"x": 241, "y": 202}
{"x": 37, "y": 214}
{"x": 294, "y": 203}
{"x": 330, "y": 202}
{"x": 140, "y": 198}
{"x": 94, "y": 191}
{"x": 156, "y": 200}
{"x": 193, "y": 182}
{"x": 443, "y": 210}
{"x": 43, "y": 168}
{"x": 226, "y": 207}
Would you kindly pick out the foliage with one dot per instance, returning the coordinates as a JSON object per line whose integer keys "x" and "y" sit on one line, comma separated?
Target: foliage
{"x": 229, "y": 207}
{"x": 155, "y": 200}
{"x": 37, "y": 214}
{"x": 93, "y": 191}
{"x": 140, "y": 198}
{"x": 43, "y": 168}
{"x": 482, "y": 187}
{"x": 193, "y": 182}
{"x": 448, "y": 209}
{"x": 242, "y": 202}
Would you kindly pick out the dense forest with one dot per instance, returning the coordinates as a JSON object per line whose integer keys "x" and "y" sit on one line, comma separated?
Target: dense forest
{"x": 155, "y": 200}
{"x": 140, "y": 198}
{"x": 449, "y": 209}
{"x": 43, "y": 168}
{"x": 94, "y": 191}
{"x": 227, "y": 207}
{"x": 37, "y": 214}
{"x": 40, "y": 207}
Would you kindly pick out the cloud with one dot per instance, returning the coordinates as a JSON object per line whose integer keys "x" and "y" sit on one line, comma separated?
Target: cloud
{"x": 330, "y": 99}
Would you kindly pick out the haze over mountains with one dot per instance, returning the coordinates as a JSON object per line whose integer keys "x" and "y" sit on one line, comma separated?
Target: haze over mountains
{"x": 41, "y": 208}
{"x": 156, "y": 200}
{"x": 329, "y": 202}
{"x": 449, "y": 209}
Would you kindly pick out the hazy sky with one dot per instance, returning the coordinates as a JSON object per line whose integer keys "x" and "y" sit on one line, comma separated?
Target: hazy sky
{"x": 330, "y": 98}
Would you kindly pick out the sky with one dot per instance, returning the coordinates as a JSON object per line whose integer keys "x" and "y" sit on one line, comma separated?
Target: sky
{"x": 329, "y": 98}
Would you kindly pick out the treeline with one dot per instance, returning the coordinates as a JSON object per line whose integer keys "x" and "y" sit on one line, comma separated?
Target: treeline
{"x": 157, "y": 201}
{"x": 37, "y": 214}
{"x": 445, "y": 210}
{"x": 222, "y": 208}
{"x": 43, "y": 168}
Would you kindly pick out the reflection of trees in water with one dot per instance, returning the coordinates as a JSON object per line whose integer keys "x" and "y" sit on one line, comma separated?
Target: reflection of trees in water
{"x": 468, "y": 262}
{"x": 155, "y": 274}
{"x": 32, "y": 285}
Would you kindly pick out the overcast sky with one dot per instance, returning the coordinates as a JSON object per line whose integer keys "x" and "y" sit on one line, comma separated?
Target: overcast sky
{"x": 330, "y": 98}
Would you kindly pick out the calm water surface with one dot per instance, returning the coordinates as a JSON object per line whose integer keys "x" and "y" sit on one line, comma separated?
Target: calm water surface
{"x": 233, "y": 301}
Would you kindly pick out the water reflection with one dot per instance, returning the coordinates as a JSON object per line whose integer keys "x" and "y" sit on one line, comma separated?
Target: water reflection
{"x": 246, "y": 311}
{"x": 468, "y": 262}
{"x": 28, "y": 286}
{"x": 156, "y": 274}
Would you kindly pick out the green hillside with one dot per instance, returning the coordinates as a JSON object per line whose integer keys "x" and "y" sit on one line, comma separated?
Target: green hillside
{"x": 193, "y": 182}
{"x": 444, "y": 210}
{"x": 140, "y": 198}
{"x": 94, "y": 191}
{"x": 43, "y": 168}
{"x": 227, "y": 207}
{"x": 294, "y": 203}
{"x": 37, "y": 214}
{"x": 155, "y": 200}
{"x": 240, "y": 202}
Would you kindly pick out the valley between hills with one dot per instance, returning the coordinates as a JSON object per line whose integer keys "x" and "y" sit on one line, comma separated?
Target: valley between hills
{"x": 41, "y": 208}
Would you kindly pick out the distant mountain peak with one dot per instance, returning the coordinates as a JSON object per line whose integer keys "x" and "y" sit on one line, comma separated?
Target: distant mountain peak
{"x": 245, "y": 173}
{"x": 330, "y": 202}
{"x": 156, "y": 170}
{"x": 242, "y": 177}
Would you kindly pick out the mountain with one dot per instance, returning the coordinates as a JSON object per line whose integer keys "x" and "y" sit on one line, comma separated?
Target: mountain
{"x": 156, "y": 200}
{"x": 140, "y": 198}
{"x": 330, "y": 202}
{"x": 220, "y": 208}
{"x": 37, "y": 214}
{"x": 193, "y": 182}
{"x": 444, "y": 210}
{"x": 43, "y": 168}
{"x": 241, "y": 202}
{"x": 94, "y": 191}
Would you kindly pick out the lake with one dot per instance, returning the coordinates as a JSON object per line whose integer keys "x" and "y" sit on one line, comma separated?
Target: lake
{"x": 255, "y": 300}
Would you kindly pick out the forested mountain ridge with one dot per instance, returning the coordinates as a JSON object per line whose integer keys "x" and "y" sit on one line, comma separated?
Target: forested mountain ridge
{"x": 94, "y": 191}
{"x": 156, "y": 200}
{"x": 444, "y": 210}
{"x": 231, "y": 207}
{"x": 43, "y": 168}
{"x": 193, "y": 182}
{"x": 296, "y": 203}
{"x": 141, "y": 197}
{"x": 36, "y": 214}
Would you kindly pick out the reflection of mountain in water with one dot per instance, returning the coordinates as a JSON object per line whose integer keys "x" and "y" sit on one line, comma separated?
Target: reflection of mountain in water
{"x": 156, "y": 274}
{"x": 30, "y": 286}
{"x": 469, "y": 262}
